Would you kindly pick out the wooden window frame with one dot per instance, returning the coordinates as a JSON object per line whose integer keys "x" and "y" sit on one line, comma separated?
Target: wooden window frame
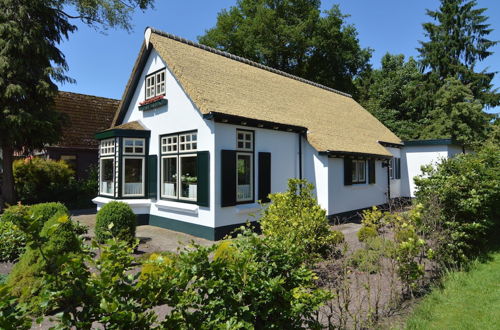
{"x": 355, "y": 174}
{"x": 151, "y": 84}
{"x": 124, "y": 158}
{"x": 112, "y": 158}
{"x": 246, "y": 151}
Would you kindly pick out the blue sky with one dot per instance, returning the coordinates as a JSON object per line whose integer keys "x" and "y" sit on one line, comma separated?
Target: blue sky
{"x": 101, "y": 63}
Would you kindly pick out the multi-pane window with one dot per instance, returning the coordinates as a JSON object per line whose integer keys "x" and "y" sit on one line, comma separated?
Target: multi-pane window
{"x": 395, "y": 168}
{"x": 244, "y": 166}
{"x": 359, "y": 171}
{"x": 107, "y": 147}
{"x": 133, "y": 167}
{"x": 133, "y": 146}
{"x": 155, "y": 84}
{"x": 107, "y": 174}
{"x": 179, "y": 177}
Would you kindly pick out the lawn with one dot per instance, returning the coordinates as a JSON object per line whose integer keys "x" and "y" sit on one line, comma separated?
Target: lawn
{"x": 468, "y": 300}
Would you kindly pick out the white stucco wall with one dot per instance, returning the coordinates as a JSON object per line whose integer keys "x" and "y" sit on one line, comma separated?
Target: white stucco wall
{"x": 180, "y": 114}
{"x": 344, "y": 198}
{"x": 413, "y": 158}
{"x": 283, "y": 147}
{"x": 315, "y": 170}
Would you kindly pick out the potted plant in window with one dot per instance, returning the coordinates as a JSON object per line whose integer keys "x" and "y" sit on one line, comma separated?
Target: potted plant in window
{"x": 190, "y": 184}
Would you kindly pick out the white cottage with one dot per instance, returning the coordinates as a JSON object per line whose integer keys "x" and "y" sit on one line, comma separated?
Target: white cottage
{"x": 201, "y": 136}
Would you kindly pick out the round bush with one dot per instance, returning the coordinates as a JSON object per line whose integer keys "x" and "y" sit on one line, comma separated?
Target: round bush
{"x": 115, "y": 219}
{"x": 367, "y": 232}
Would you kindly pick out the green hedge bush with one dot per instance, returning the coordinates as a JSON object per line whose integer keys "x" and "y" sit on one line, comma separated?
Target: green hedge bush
{"x": 295, "y": 217}
{"x": 366, "y": 232}
{"x": 115, "y": 219}
{"x": 46, "y": 253}
{"x": 12, "y": 238}
{"x": 461, "y": 198}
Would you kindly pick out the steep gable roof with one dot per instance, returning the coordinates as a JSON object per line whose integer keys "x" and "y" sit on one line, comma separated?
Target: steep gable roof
{"x": 219, "y": 82}
{"x": 86, "y": 115}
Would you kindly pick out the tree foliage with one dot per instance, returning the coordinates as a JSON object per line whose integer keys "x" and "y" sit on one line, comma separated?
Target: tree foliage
{"x": 458, "y": 41}
{"x": 31, "y": 63}
{"x": 294, "y": 37}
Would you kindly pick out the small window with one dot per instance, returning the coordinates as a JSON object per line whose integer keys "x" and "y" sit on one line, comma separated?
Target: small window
{"x": 391, "y": 168}
{"x": 155, "y": 84}
{"x": 188, "y": 142}
{"x": 107, "y": 166}
{"x": 133, "y": 146}
{"x": 359, "y": 171}
{"x": 107, "y": 147}
{"x": 244, "y": 177}
{"x": 133, "y": 176}
{"x": 244, "y": 140}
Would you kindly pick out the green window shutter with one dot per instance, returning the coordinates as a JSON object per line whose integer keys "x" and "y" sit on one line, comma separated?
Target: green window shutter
{"x": 264, "y": 176}
{"x": 398, "y": 168}
{"x": 203, "y": 170}
{"x": 152, "y": 176}
{"x": 371, "y": 171}
{"x": 347, "y": 171}
{"x": 228, "y": 178}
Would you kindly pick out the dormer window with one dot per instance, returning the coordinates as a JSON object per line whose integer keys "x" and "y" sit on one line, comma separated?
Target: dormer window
{"x": 155, "y": 84}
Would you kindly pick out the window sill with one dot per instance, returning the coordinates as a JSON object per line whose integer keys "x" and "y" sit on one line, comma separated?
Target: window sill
{"x": 248, "y": 208}
{"x": 132, "y": 202}
{"x": 178, "y": 207}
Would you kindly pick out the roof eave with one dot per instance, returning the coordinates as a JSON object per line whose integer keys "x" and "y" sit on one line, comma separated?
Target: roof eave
{"x": 349, "y": 154}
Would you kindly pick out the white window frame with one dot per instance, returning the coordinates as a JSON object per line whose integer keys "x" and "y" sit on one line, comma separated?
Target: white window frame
{"x": 162, "y": 190}
{"x": 192, "y": 144}
{"x": 247, "y": 137}
{"x": 173, "y": 145}
{"x": 107, "y": 147}
{"x": 134, "y": 146}
{"x": 179, "y": 176}
{"x": 143, "y": 177}
{"x": 355, "y": 173}
{"x": 251, "y": 177}
{"x": 392, "y": 168}
{"x": 101, "y": 172}
{"x": 153, "y": 85}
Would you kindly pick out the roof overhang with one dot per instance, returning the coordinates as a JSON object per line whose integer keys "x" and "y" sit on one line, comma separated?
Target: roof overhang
{"x": 391, "y": 144}
{"x": 346, "y": 154}
{"x": 243, "y": 121}
{"x": 432, "y": 142}
{"x": 122, "y": 132}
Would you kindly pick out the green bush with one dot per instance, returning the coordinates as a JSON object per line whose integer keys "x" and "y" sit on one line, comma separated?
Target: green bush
{"x": 46, "y": 253}
{"x": 295, "y": 217}
{"x": 115, "y": 219}
{"x": 12, "y": 238}
{"x": 41, "y": 180}
{"x": 44, "y": 211}
{"x": 366, "y": 232}
{"x": 461, "y": 198}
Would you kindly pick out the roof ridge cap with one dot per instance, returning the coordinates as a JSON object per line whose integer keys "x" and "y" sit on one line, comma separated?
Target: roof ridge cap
{"x": 246, "y": 61}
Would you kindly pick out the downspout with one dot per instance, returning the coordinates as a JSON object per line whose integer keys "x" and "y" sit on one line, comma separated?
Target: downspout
{"x": 300, "y": 155}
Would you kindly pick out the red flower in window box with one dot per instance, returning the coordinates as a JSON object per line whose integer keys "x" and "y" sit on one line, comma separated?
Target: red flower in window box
{"x": 152, "y": 99}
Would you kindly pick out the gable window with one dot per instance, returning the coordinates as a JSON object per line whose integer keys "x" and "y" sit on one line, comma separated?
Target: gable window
{"x": 359, "y": 171}
{"x": 179, "y": 171}
{"x": 244, "y": 166}
{"x": 133, "y": 167}
{"x": 155, "y": 84}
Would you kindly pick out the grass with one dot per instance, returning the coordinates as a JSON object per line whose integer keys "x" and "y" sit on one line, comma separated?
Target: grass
{"x": 468, "y": 300}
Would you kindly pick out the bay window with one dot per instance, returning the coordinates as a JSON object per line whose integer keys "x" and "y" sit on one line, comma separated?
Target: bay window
{"x": 244, "y": 166}
{"x": 107, "y": 167}
{"x": 179, "y": 166}
{"x": 133, "y": 164}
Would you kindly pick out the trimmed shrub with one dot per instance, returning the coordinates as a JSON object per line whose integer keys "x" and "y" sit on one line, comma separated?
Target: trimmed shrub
{"x": 295, "y": 217}
{"x": 115, "y": 219}
{"x": 41, "y": 180}
{"x": 44, "y": 256}
{"x": 44, "y": 211}
{"x": 367, "y": 232}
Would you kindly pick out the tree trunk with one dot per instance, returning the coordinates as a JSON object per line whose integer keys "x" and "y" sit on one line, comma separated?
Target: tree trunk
{"x": 8, "y": 194}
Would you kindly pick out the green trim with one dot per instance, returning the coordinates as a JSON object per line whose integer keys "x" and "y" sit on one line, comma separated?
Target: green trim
{"x": 213, "y": 234}
{"x": 153, "y": 105}
{"x": 345, "y": 154}
{"x": 122, "y": 133}
{"x": 430, "y": 142}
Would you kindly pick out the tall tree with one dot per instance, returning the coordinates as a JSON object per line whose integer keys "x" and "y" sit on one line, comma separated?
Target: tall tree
{"x": 30, "y": 63}
{"x": 292, "y": 36}
{"x": 458, "y": 41}
{"x": 457, "y": 115}
{"x": 396, "y": 95}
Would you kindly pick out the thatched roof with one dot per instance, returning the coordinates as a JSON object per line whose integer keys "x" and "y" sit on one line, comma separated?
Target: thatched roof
{"x": 220, "y": 82}
{"x": 132, "y": 125}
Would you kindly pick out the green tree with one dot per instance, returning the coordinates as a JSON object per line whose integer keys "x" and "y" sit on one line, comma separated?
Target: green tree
{"x": 458, "y": 41}
{"x": 31, "y": 63}
{"x": 457, "y": 115}
{"x": 396, "y": 95}
{"x": 294, "y": 37}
